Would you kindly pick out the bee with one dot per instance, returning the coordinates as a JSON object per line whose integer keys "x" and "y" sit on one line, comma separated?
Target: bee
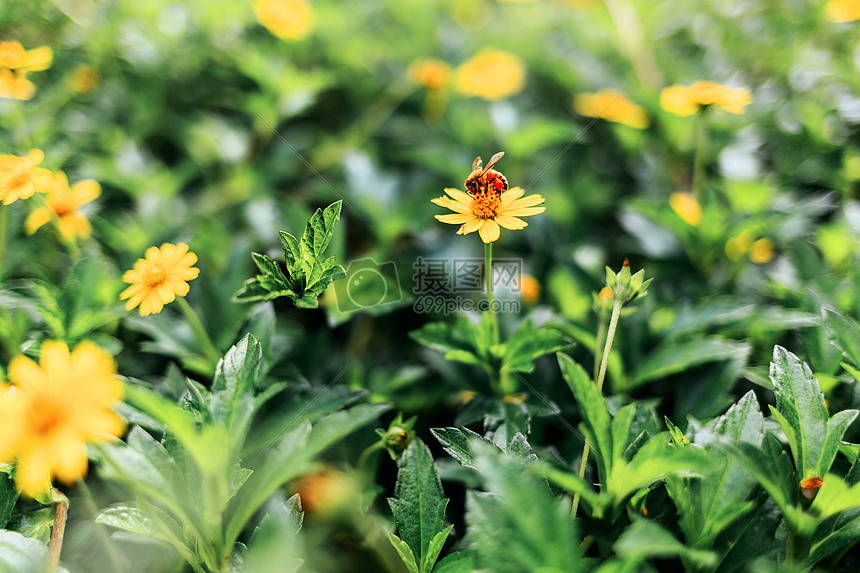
{"x": 484, "y": 180}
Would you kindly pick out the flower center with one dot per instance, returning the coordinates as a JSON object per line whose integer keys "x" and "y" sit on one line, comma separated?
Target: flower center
{"x": 62, "y": 209}
{"x": 46, "y": 417}
{"x": 155, "y": 276}
{"x": 486, "y": 205}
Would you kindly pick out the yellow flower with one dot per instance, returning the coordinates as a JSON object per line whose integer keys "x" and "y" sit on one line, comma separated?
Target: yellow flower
{"x": 687, "y": 207}
{"x": 739, "y": 245}
{"x": 15, "y": 62}
{"x": 762, "y": 251}
{"x": 157, "y": 279}
{"x": 530, "y": 289}
{"x": 683, "y": 100}
{"x": 611, "y": 106}
{"x": 431, "y": 73}
{"x": 53, "y": 409}
{"x": 605, "y": 293}
{"x": 842, "y": 10}
{"x": 84, "y": 79}
{"x": 286, "y": 19}
{"x": 491, "y": 75}
{"x": 486, "y": 212}
{"x": 64, "y": 202}
{"x": 20, "y": 177}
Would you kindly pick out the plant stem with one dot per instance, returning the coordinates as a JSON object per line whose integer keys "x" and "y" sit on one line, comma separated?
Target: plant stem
{"x": 4, "y": 221}
{"x": 209, "y": 349}
{"x": 109, "y": 548}
{"x": 699, "y": 157}
{"x": 488, "y": 275}
{"x": 604, "y": 362}
{"x": 61, "y": 505}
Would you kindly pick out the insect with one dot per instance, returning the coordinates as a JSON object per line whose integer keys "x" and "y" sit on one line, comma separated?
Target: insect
{"x": 484, "y": 180}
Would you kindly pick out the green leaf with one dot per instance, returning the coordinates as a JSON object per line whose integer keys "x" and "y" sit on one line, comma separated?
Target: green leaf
{"x": 8, "y": 497}
{"x": 308, "y": 272}
{"x": 595, "y": 416}
{"x": 802, "y": 415}
{"x": 844, "y": 334}
{"x": 130, "y": 519}
{"x": 517, "y": 525}
{"x": 528, "y": 343}
{"x": 272, "y": 546}
{"x": 679, "y": 355}
{"x": 460, "y": 341}
{"x": 646, "y": 539}
{"x": 418, "y": 504}
{"x": 436, "y": 545}
{"x": 457, "y": 562}
{"x": 458, "y": 443}
{"x": 404, "y": 551}
{"x": 769, "y": 464}
{"x": 19, "y": 554}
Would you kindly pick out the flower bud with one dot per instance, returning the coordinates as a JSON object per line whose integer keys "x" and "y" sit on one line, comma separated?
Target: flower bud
{"x": 624, "y": 286}
{"x": 810, "y": 486}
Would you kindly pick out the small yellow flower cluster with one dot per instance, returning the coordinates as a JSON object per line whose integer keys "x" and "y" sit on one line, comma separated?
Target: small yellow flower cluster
{"x": 842, "y": 10}
{"x": 53, "y": 409}
{"x": 686, "y": 207}
{"x": 760, "y": 251}
{"x": 431, "y": 73}
{"x": 689, "y": 100}
{"x": 289, "y": 20}
{"x": 16, "y": 63}
{"x": 612, "y": 106}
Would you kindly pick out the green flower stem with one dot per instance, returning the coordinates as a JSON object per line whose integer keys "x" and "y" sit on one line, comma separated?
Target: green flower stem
{"x": 361, "y": 464}
{"x": 699, "y": 157}
{"x": 209, "y": 349}
{"x": 4, "y": 222}
{"x": 604, "y": 362}
{"x": 488, "y": 275}
{"x": 61, "y": 505}
{"x": 100, "y": 527}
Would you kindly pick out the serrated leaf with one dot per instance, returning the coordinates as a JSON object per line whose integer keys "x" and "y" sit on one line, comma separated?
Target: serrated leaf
{"x": 458, "y": 443}
{"x": 457, "y": 562}
{"x": 802, "y": 414}
{"x": 679, "y": 355}
{"x": 462, "y": 338}
{"x": 404, "y": 551}
{"x": 272, "y": 546}
{"x": 528, "y": 343}
{"x": 596, "y": 422}
{"x": 418, "y": 504}
{"x": 844, "y": 334}
{"x": 435, "y": 548}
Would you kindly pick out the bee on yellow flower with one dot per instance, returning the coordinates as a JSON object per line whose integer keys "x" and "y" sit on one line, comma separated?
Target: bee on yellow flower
{"x": 842, "y": 10}
{"x": 491, "y": 75}
{"x": 489, "y": 203}
{"x": 612, "y": 106}
{"x": 159, "y": 278}
{"x": 689, "y": 100}
{"x": 63, "y": 202}
{"x": 16, "y": 63}
{"x": 686, "y": 207}
{"x": 20, "y": 177}
{"x": 53, "y": 409}
{"x": 286, "y": 19}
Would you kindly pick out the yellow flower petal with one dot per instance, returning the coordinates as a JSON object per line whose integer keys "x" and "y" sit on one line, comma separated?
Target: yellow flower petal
{"x": 460, "y": 197}
{"x": 490, "y": 231}
{"x": 455, "y": 218}
{"x": 511, "y": 222}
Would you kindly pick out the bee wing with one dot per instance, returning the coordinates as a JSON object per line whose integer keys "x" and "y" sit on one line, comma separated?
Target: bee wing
{"x": 493, "y": 160}
{"x": 477, "y": 163}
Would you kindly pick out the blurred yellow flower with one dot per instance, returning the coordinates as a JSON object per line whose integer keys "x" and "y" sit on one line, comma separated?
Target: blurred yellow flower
{"x": 762, "y": 251}
{"x": 492, "y": 75}
{"x": 486, "y": 212}
{"x": 687, "y": 207}
{"x": 530, "y": 289}
{"x": 15, "y": 63}
{"x": 64, "y": 202}
{"x": 431, "y": 73}
{"x": 328, "y": 493}
{"x": 157, "y": 279}
{"x": 286, "y": 19}
{"x": 842, "y": 10}
{"x": 605, "y": 293}
{"x": 611, "y": 105}
{"x": 684, "y": 100}
{"x": 739, "y": 245}
{"x": 20, "y": 177}
{"x": 84, "y": 79}
{"x": 53, "y": 409}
